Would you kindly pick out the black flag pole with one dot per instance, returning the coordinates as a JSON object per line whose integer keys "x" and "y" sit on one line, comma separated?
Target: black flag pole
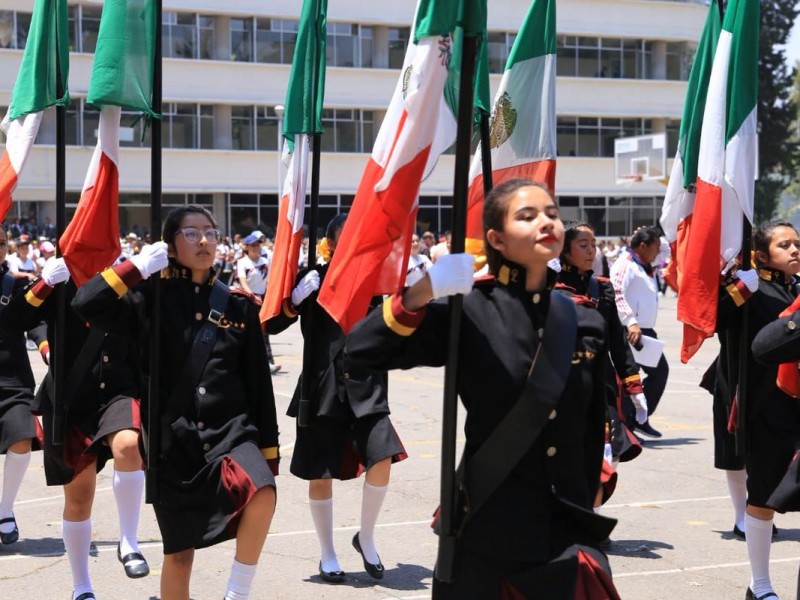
{"x": 153, "y": 439}
{"x": 486, "y": 153}
{"x": 57, "y": 354}
{"x": 306, "y": 408}
{"x": 447, "y": 515}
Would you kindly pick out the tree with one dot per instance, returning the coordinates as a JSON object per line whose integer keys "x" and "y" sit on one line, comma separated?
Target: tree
{"x": 778, "y": 149}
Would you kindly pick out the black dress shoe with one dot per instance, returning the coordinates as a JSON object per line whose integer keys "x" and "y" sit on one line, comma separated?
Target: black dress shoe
{"x": 375, "y": 570}
{"x": 743, "y": 535}
{"x": 134, "y": 563}
{"x": 751, "y": 596}
{"x": 12, "y": 536}
{"x": 648, "y": 429}
{"x": 331, "y": 576}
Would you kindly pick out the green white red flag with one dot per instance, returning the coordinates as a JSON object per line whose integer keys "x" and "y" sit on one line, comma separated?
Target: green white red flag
{"x": 122, "y": 77}
{"x": 419, "y": 125}
{"x": 523, "y": 122}
{"x": 303, "y": 117}
{"x": 726, "y": 172}
{"x": 44, "y": 61}
{"x": 676, "y": 215}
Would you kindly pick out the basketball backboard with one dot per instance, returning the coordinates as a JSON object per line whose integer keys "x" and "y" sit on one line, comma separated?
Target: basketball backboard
{"x": 640, "y": 158}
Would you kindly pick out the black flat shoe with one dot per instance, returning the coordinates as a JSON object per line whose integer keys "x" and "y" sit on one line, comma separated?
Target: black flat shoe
{"x": 86, "y": 596}
{"x": 331, "y": 576}
{"x": 375, "y": 570}
{"x": 751, "y": 596}
{"x": 648, "y": 429}
{"x": 134, "y": 563}
{"x": 11, "y": 537}
{"x": 743, "y": 535}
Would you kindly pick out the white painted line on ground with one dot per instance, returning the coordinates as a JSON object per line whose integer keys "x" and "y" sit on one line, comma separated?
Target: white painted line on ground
{"x": 660, "y": 502}
{"x": 774, "y": 561}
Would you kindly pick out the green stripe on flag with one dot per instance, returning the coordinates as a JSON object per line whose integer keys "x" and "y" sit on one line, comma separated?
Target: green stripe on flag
{"x": 540, "y": 33}
{"x": 306, "y": 92}
{"x": 122, "y": 74}
{"x": 47, "y": 43}
{"x": 471, "y": 21}
{"x": 697, "y": 90}
{"x": 435, "y": 18}
{"x": 742, "y": 19}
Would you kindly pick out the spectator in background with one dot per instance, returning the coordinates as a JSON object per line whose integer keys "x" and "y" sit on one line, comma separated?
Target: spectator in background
{"x": 21, "y": 264}
{"x": 418, "y": 263}
{"x": 442, "y": 248}
{"x": 427, "y": 242}
{"x": 46, "y": 250}
{"x": 48, "y": 229}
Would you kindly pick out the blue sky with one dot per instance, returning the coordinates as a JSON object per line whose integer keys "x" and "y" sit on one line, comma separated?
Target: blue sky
{"x": 793, "y": 47}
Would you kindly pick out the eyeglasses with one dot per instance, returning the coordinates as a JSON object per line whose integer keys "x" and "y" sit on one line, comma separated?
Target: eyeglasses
{"x": 192, "y": 235}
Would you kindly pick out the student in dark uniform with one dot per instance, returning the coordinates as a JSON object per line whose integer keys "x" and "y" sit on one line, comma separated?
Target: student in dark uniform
{"x": 219, "y": 428}
{"x": 535, "y": 535}
{"x": 102, "y": 421}
{"x": 18, "y": 426}
{"x": 350, "y": 431}
{"x": 577, "y": 279}
{"x": 772, "y": 416}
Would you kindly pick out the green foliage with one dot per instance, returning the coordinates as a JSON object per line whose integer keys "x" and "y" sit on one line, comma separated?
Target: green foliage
{"x": 778, "y": 95}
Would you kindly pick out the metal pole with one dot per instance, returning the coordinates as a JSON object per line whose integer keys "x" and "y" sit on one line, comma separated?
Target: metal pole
{"x": 447, "y": 516}
{"x": 153, "y": 398}
{"x": 59, "y": 333}
{"x": 486, "y": 154}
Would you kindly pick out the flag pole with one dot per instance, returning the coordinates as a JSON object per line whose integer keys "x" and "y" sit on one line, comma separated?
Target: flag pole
{"x": 153, "y": 439}
{"x": 61, "y": 224}
{"x": 447, "y": 516}
{"x": 486, "y": 153}
{"x": 306, "y": 409}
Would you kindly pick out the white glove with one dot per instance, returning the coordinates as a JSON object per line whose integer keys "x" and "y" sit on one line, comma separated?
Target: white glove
{"x": 55, "y": 271}
{"x": 305, "y": 287}
{"x": 749, "y": 278}
{"x": 451, "y": 274}
{"x": 554, "y": 264}
{"x": 640, "y": 402}
{"x": 151, "y": 259}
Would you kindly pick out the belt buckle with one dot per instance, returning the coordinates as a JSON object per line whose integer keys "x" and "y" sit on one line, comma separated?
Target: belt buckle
{"x": 4, "y": 300}
{"x": 215, "y": 316}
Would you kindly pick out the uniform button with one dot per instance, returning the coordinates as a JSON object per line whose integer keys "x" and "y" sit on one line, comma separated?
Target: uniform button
{"x": 536, "y": 298}
{"x": 105, "y": 358}
{"x": 540, "y": 331}
{"x": 552, "y": 414}
{"x": 201, "y": 390}
{"x": 102, "y": 385}
{"x": 791, "y": 325}
{"x": 201, "y": 425}
{"x": 551, "y": 451}
{"x": 347, "y": 375}
{"x": 198, "y": 316}
{"x": 197, "y": 289}
{"x": 206, "y": 447}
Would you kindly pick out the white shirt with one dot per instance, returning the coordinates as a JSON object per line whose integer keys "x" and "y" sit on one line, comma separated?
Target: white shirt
{"x": 255, "y": 273}
{"x": 17, "y": 265}
{"x": 635, "y": 292}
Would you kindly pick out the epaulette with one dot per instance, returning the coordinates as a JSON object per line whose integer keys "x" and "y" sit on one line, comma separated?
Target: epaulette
{"x": 485, "y": 281}
{"x": 249, "y": 295}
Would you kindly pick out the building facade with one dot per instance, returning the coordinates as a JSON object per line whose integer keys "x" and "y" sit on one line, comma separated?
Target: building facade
{"x": 622, "y": 71}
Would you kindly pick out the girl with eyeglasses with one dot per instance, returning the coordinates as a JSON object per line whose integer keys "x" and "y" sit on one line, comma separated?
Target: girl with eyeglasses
{"x": 219, "y": 451}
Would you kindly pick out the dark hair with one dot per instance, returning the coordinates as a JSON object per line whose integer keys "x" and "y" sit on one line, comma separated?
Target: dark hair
{"x": 571, "y": 232}
{"x": 335, "y": 223}
{"x": 644, "y": 235}
{"x": 762, "y": 236}
{"x": 495, "y": 208}
{"x": 173, "y": 221}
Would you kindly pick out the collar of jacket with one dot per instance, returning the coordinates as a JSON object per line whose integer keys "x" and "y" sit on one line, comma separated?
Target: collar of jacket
{"x": 513, "y": 276}
{"x": 176, "y": 270}
{"x": 774, "y": 275}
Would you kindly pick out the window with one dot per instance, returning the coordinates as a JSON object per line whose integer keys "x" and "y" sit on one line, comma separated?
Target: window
{"x": 398, "y": 42}
{"x": 275, "y": 40}
{"x": 266, "y": 128}
{"x": 366, "y": 38}
{"x": 7, "y": 37}
{"x": 90, "y": 26}
{"x": 242, "y": 40}
{"x": 178, "y": 35}
{"x": 497, "y": 49}
{"x": 206, "y": 129}
{"x": 343, "y": 44}
{"x": 242, "y": 127}
{"x": 205, "y": 32}
{"x": 347, "y": 130}
{"x": 590, "y": 136}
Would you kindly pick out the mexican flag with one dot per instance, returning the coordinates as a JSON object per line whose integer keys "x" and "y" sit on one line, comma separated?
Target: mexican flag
{"x": 303, "y": 117}
{"x": 726, "y": 172}
{"x": 44, "y": 62}
{"x": 122, "y": 77}
{"x": 523, "y": 122}
{"x": 676, "y": 215}
{"x": 420, "y": 123}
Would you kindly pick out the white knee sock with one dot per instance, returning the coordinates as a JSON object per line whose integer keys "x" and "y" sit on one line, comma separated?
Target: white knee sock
{"x": 128, "y": 487}
{"x": 759, "y": 540}
{"x": 371, "y": 501}
{"x": 14, "y": 469}
{"x": 322, "y": 515}
{"x": 240, "y": 581}
{"x": 737, "y": 488}
{"x": 77, "y": 537}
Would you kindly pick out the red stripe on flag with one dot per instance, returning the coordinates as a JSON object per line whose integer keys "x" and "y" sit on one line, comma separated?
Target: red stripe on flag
{"x": 700, "y": 264}
{"x": 91, "y": 241}
{"x": 8, "y": 183}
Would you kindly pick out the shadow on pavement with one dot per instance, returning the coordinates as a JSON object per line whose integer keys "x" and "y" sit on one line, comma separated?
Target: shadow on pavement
{"x": 670, "y": 442}
{"x": 38, "y": 547}
{"x": 637, "y": 548}
{"x": 404, "y": 577}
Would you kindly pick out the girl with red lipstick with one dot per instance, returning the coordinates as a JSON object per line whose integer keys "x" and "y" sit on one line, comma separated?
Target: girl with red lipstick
{"x": 219, "y": 449}
{"x": 535, "y": 534}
